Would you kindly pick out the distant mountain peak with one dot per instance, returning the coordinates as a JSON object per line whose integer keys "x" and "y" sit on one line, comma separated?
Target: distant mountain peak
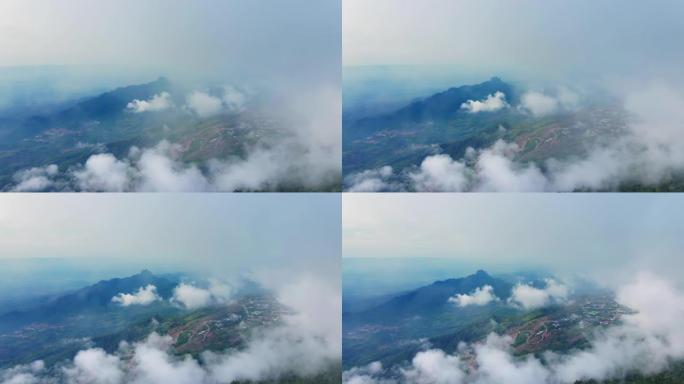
{"x": 446, "y": 104}
{"x": 481, "y": 273}
{"x": 96, "y": 297}
{"x": 434, "y": 298}
{"x": 146, "y": 273}
{"x": 162, "y": 81}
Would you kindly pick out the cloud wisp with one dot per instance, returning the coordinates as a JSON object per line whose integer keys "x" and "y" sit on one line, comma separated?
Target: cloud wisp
{"x": 159, "y": 102}
{"x": 491, "y": 103}
{"x": 191, "y": 296}
{"x": 160, "y": 169}
{"x": 143, "y": 296}
{"x": 480, "y": 296}
{"x": 530, "y": 297}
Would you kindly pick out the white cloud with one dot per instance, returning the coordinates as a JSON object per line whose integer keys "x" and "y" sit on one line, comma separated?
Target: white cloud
{"x": 539, "y": 104}
{"x": 491, "y": 103}
{"x": 439, "y": 173}
{"x": 143, "y": 296}
{"x": 496, "y": 364}
{"x": 148, "y": 170}
{"x": 435, "y": 367}
{"x": 221, "y": 291}
{"x": 650, "y": 152}
{"x": 369, "y": 374}
{"x": 372, "y": 180}
{"x": 159, "y": 102}
{"x": 159, "y": 170}
{"x": 23, "y": 374}
{"x": 567, "y": 97}
{"x": 103, "y": 172}
{"x": 530, "y": 297}
{"x": 234, "y": 99}
{"x": 203, "y": 104}
{"x": 153, "y": 363}
{"x": 480, "y": 296}
{"x": 191, "y": 296}
{"x": 496, "y": 171}
{"x": 647, "y": 341}
{"x": 35, "y": 179}
{"x": 261, "y": 170}
{"x": 490, "y": 169}
{"x": 95, "y": 366}
{"x": 307, "y": 342}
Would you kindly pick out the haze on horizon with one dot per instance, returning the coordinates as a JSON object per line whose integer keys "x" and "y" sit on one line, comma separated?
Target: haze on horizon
{"x": 605, "y": 236}
{"x": 195, "y": 39}
{"x": 202, "y": 233}
{"x": 530, "y": 39}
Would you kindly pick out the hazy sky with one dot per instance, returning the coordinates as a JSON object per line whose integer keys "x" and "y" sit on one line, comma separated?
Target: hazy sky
{"x": 531, "y": 38}
{"x": 259, "y": 39}
{"x": 583, "y": 233}
{"x": 202, "y": 232}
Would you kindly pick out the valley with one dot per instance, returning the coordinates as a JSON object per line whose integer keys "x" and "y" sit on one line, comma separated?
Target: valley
{"x": 91, "y": 320}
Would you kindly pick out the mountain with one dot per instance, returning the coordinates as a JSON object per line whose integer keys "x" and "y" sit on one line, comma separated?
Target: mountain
{"x": 434, "y": 297}
{"x": 447, "y": 104}
{"x": 93, "y": 298}
{"x": 394, "y": 331}
{"x": 102, "y": 107}
{"x": 101, "y": 293}
{"x": 69, "y": 134}
{"x": 113, "y": 102}
{"x": 437, "y": 123}
{"x": 391, "y": 332}
{"x": 440, "y": 106}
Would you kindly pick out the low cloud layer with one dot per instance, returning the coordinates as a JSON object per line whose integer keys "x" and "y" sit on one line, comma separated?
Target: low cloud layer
{"x": 480, "y": 296}
{"x": 487, "y": 170}
{"x": 491, "y": 103}
{"x": 645, "y": 342}
{"x": 160, "y": 169}
{"x": 143, "y": 296}
{"x": 305, "y": 344}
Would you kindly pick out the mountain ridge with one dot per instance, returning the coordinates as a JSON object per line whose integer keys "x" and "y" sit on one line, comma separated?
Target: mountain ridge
{"x": 434, "y": 297}
{"x": 94, "y": 297}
